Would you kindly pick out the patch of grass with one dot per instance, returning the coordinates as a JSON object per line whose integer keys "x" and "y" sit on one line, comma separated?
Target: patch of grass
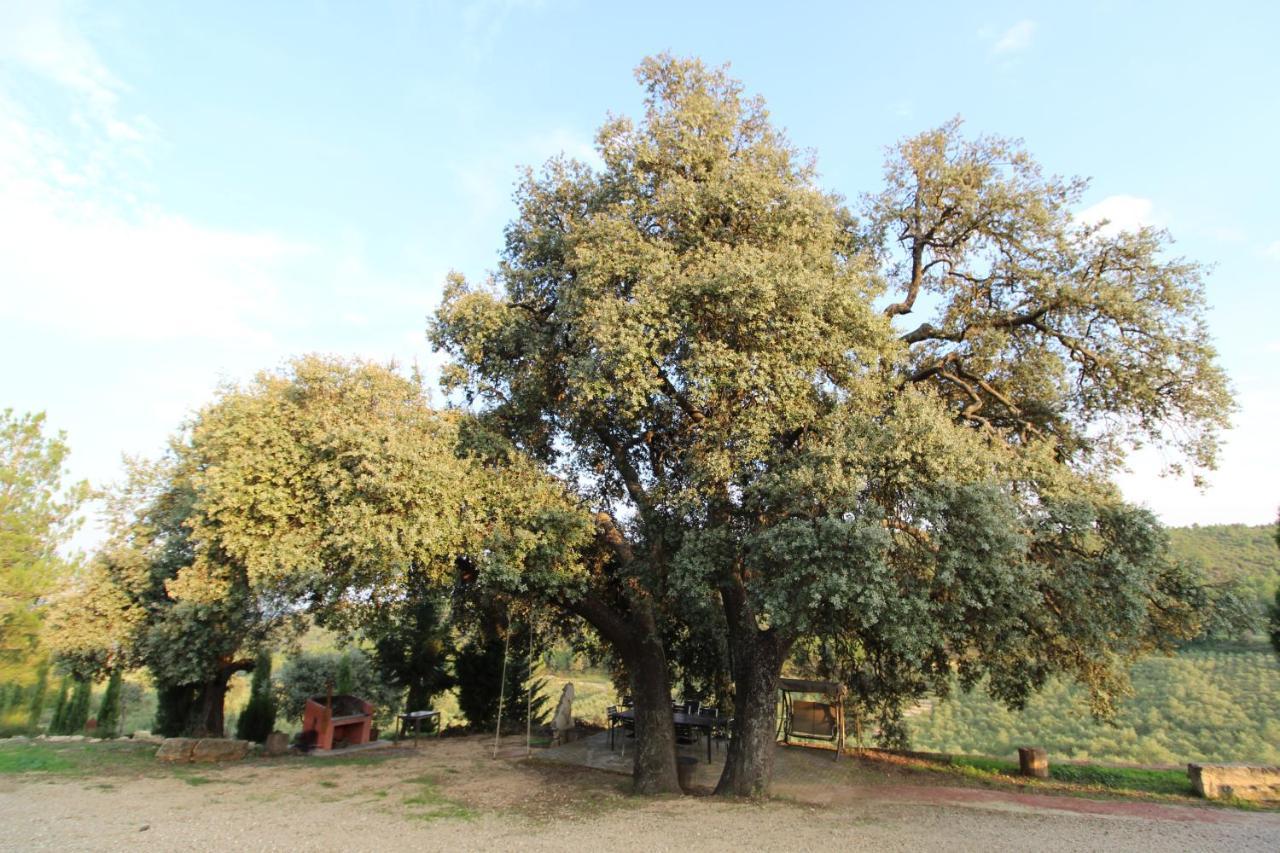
{"x": 34, "y": 758}
{"x": 1114, "y": 779}
{"x": 328, "y": 783}
{"x": 196, "y": 781}
{"x": 430, "y": 804}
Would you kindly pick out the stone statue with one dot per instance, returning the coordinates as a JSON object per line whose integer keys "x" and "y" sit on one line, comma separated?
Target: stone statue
{"x": 562, "y": 722}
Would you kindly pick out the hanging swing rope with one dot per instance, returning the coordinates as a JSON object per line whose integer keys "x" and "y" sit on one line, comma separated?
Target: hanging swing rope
{"x": 502, "y": 688}
{"x": 528, "y": 699}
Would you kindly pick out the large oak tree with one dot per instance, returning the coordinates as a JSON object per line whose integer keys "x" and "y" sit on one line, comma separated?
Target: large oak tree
{"x": 710, "y": 350}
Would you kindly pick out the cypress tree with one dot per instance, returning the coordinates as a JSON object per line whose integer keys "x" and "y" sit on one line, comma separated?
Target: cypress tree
{"x": 78, "y": 707}
{"x": 109, "y": 709}
{"x": 36, "y": 706}
{"x": 57, "y": 726}
{"x": 259, "y": 716}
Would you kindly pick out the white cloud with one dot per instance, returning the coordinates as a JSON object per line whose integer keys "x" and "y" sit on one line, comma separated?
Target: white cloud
{"x": 38, "y": 37}
{"x": 1121, "y": 212}
{"x": 1016, "y": 39}
{"x": 1272, "y": 251}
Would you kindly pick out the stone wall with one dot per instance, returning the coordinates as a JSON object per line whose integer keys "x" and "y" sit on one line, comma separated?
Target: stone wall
{"x": 1243, "y": 781}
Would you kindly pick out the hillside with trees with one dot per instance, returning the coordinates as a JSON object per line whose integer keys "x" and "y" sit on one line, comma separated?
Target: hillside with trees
{"x": 1233, "y": 553}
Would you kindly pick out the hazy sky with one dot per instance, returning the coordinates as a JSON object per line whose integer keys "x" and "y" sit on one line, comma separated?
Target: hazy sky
{"x": 193, "y": 192}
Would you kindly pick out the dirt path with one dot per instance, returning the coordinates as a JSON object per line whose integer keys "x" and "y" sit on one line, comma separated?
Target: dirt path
{"x": 449, "y": 795}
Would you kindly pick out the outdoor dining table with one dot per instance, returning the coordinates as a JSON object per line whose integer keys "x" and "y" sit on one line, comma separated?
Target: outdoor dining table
{"x": 413, "y": 720}
{"x": 693, "y": 721}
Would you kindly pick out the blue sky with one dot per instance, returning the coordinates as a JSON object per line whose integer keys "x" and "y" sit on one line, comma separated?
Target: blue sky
{"x": 193, "y": 192}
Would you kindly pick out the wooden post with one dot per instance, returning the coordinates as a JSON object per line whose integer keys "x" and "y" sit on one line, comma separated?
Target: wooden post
{"x": 1033, "y": 761}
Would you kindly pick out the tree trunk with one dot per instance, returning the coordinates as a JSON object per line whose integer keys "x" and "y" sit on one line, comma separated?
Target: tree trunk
{"x": 654, "y": 769}
{"x": 637, "y": 641}
{"x": 757, "y": 666}
{"x": 207, "y": 711}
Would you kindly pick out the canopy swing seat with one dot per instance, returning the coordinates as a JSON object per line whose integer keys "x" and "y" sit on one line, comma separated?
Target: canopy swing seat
{"x": 807, "y": 719}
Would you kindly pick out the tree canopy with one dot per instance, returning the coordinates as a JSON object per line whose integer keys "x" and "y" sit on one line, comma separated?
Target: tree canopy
{"x": 37, "y": 515}
{"x": 707, "y": 348}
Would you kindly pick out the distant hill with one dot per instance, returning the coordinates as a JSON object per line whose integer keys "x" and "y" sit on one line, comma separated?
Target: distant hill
{"x": 1240, "y": 552}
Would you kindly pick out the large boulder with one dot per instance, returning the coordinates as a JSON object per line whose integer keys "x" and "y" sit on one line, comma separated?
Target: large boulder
{"x": 277, "y": 743}
{"x": 176, "y": 749}
{"x": 1241, "y": 781}
{"x": 220, "y": 749}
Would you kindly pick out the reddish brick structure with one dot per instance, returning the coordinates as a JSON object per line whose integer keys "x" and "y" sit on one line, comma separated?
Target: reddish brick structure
{"x": 340, "y": 719}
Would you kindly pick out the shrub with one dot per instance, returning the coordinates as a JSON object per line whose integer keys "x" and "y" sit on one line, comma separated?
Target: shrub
{"x": 478, "y": 670}
{"x": 258, "y": 718}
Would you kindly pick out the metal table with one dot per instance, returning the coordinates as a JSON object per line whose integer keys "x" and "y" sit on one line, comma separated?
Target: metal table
{"x": 693, "y": 721}
{"x": 414, "y": 720}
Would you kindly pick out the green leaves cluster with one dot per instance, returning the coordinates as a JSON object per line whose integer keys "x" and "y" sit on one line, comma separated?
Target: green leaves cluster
{"x": 713, "y": 353}
{"x": 37, "y": 515}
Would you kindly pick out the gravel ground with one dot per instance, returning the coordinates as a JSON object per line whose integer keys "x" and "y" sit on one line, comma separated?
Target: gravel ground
{"x": 449, "y": 795}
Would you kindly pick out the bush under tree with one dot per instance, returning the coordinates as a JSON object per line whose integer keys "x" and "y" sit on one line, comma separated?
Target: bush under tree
{"x": 258, "y": 719}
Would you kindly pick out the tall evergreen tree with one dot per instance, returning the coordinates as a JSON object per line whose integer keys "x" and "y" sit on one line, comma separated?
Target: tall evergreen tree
{"x": 109, "y": 707}
{"x": 258, "y": 719}
{"x": 58, "y": 723}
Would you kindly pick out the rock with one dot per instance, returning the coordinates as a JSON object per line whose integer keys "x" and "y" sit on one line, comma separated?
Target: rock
{"x": 141, "y": 734}
{"x": 65, "y": 738}
{"x": 562, "y": 722}
{"x": 277, "y": 744}
{"x": 1033, "y": 761}
{"x": 19, "y": 739}
{"x": 219, "y": 749}
{"x": 1243, "y": 781}
{"x": 176, "y": 749}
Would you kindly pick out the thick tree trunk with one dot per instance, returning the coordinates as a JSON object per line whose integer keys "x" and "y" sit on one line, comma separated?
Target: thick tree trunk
{"x": 207, "y": 711}
{"x": 654, "y": 769}
{"x": 757, "y": 665}
{"x": 636, "y": 639}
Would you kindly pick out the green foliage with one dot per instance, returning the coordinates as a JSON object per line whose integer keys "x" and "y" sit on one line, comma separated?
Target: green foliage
{"x": 1242, "y": 567}
{"x": 109, "y": 707}
{"x": 344, "y": 681}
{"x": 258, "y": 719}
{"x": 690, "y": 337}
{"x": 1233, "y": 554}
{"x": 76, "y": 710}
{"x": 1195, "y": 706}
{"x": 37, "y": 514}
{"x": 313, "y": 674}
{"x": 58, "y": 723}
{"x": 1274, "y": 623}
{"x": 409, "y": 640}
{"x": 35, "y": 707}
{"x": 478, "y": 667}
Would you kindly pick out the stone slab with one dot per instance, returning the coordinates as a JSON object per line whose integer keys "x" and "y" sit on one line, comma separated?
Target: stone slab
{"x": 176, "y": 749}
{"x": 1255, "y": 782}
{"x": 219, "y": 749}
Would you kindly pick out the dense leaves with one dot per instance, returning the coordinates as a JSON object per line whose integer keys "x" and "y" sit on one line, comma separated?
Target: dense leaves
{"x": 690, "y": 337}
{"x": 37, "y": 515}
